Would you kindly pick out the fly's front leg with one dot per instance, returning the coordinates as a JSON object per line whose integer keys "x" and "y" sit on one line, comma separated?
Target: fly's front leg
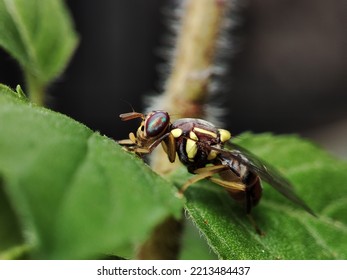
{"x": 169, "y": 146}
{"x": 135, "y": 146}
{"x": 128, "y": 142}
{"x": 132, "y": 145}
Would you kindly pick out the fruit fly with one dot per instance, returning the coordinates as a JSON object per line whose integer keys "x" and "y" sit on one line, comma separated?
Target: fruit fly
{"x": 206, "y": 151}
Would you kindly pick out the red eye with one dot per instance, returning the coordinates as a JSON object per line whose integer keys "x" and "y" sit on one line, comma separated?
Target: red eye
{"x": 156, "y": 123}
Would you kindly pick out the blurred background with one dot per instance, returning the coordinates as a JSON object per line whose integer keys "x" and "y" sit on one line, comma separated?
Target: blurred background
{"x": 287, "y": 67}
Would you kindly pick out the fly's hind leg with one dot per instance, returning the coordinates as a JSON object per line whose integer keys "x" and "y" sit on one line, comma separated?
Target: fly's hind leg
{"x": 234, "y": 188}
{"x": 201, "y": 173}
{"x": 233, "y": 185}
{"x": 255, "y": 225}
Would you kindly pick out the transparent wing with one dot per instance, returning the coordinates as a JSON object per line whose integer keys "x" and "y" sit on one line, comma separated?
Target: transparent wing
{"x": 264, "y": 170}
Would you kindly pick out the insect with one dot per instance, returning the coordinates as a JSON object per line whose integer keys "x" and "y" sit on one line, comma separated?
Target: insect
{"x": 206, "y": 151}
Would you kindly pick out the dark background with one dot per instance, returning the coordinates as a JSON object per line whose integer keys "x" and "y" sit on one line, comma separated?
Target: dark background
{"x": 287, "y": 71}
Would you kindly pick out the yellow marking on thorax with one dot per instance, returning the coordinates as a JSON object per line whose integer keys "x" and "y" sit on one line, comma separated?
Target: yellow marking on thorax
{"x": 212, "y": 155}
{"x": 204, "y": 131}
{"x": 191, "y": 149}
{"x": 224, "y": 135}
{"x": 177, "y": 132}
{"x": 193, "y": 136}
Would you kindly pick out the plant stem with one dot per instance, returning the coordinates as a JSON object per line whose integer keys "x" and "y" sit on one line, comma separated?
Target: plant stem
{"x": 186, "y": 88}
{"x": 164, "y": 242}
{"x": 15, "y": 253}
{"x": 36, "y": 89}
{"x": 185, "y": 94}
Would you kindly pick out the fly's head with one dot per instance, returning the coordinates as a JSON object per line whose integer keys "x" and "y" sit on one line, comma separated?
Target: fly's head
{"x": 153, "y": 126}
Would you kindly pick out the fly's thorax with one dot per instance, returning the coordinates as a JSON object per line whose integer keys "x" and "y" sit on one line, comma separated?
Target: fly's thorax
{"x": 195, "y": 139}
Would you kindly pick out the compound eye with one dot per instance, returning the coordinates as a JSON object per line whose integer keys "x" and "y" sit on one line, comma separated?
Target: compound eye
{"x": 156, "y": 123}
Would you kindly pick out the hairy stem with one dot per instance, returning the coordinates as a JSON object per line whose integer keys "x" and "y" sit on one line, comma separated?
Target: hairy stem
{"x": 185, "y": 94}
{"x": 186, "y": 88}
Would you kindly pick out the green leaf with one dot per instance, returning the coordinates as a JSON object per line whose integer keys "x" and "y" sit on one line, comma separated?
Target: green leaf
{"x": 74, "y": 192}
{"x": 39, "y": 35}
{"x": 194, "y": 246}
{"x": 9, "y": 227}
{"x": 290, "y": 232}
